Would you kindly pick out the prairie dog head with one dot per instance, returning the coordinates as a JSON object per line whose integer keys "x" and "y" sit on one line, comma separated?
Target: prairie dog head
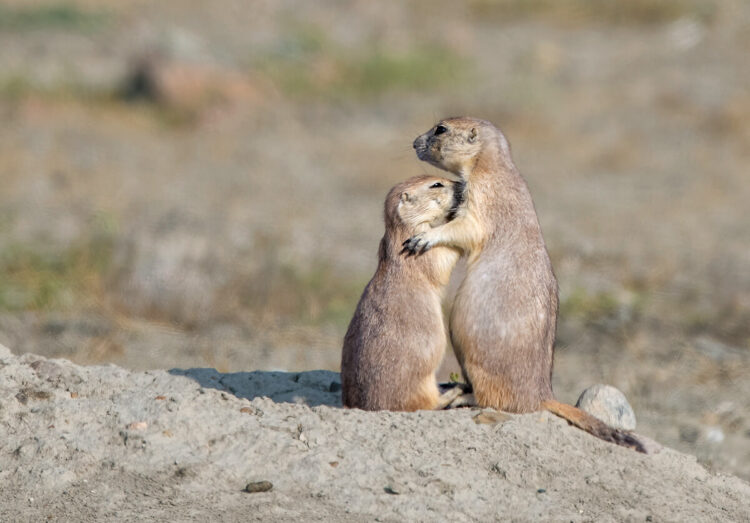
{"x": 454, "y": 144}
{"x": 423, "y": 202}
{"x": 426, "y": 202}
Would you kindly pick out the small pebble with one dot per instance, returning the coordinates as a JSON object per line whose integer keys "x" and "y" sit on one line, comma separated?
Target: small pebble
{"x": 689, "y": 434}
{"x": 258, "y": 486}
{"x": 138, "y": 425}
{"x": 714, "y": 435}
{"x": 541, "y": 491}
{"x": 390, "y": 490}
{"x": 160, "y": 398}
{"x": 247, "y": 410}
{"x": 490, "y": 417}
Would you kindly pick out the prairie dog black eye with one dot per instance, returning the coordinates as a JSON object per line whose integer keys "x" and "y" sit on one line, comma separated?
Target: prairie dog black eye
{"x": 440, "y": 129}
{"x": 436, "y": 185}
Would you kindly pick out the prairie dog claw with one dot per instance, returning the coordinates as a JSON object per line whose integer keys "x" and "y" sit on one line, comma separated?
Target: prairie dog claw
{"x": 417, "y": 244}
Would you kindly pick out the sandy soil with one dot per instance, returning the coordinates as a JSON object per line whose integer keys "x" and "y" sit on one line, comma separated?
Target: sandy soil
{"x": 106, "y": 444}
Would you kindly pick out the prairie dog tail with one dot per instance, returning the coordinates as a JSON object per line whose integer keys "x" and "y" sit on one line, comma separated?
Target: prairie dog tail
{"x": 594, "y": 426}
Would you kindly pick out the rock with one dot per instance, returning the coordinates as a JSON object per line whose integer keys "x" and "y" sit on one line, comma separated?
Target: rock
{"x": 689, "y": 434}
{"x": 714, "y": 435}
{"x": 258, "y": 486}
{"x": 609, "y": 405}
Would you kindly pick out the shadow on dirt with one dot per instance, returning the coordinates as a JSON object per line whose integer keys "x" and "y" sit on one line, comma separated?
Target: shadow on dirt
{"x": 313, "y": 388}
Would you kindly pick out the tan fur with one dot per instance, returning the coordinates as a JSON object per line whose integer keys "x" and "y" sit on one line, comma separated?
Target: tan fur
{"x": 504, "y": 316}
{"x": 397, "y": 337}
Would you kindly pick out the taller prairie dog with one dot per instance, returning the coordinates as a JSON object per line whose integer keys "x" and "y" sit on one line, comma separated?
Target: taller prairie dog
{"x": 504, "y": 315}
{"x": 397, "y": 337}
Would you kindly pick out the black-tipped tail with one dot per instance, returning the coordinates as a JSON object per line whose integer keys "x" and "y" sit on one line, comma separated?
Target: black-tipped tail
{"x": 594, "y": 426}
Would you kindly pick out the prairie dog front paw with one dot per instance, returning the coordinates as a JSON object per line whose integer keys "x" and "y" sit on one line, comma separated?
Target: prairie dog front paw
{"x": 417, "y": 244}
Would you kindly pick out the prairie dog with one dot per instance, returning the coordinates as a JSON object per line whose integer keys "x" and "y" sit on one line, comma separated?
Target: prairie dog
{"x": 504, "y": 317}
{"x": 397, "y": 337}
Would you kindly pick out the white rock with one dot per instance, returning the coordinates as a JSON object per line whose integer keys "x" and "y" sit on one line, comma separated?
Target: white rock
{"x": 609, "y": 405}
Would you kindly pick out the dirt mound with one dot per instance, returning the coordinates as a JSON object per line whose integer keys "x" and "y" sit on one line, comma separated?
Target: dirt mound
{"x": 104, "y": 443}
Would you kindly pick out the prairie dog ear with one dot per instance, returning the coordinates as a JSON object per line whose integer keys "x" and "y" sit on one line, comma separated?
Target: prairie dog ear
{"x": 473, "y": 135}
{"x": 404, "y": 196}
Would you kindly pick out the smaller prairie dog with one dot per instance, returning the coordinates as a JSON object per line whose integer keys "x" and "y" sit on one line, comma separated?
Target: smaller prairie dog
{"x": 397, "y": 337}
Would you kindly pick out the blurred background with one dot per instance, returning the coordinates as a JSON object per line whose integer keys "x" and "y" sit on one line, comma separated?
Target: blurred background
{"x": 200, "y": 184}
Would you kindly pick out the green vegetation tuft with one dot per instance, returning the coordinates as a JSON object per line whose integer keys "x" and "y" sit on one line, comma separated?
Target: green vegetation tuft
{"x": 416, "y": 69}
{"x": 15, "y": 87}
{"x": 309, "y": 64}
{"x": 601, "y": 306}
{"x": 53, "y": 16}
{"x": 634, "y": 12}
{"x": 590, "y": 307}
{"x": 18, "y": 87}
{"x": 39, "y": 278}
